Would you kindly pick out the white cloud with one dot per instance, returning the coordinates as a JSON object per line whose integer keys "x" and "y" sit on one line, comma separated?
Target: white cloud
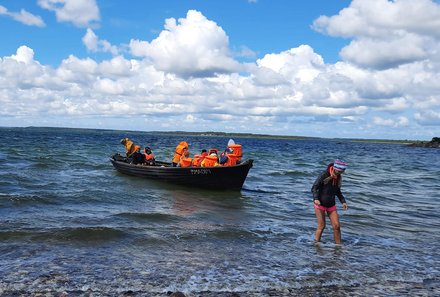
{"x": 394, "y": 123}
{"x": 300, "y": 64}
{"x": 245, "y": 52}
{"x": 81, "y": 13}
{"x": 382, "y": 18}
{"x": 139, "y": 48}
{"x": 24, "y": 55}
{"x": 94, "y": 44}
{"x": 90, "y": 40}
{"x": 76, "y": 71}
{"x": 108, "y": 87}
{"x": 23, "y": 17}
{"x": 386, "y": 33}
{"x": 191, "y": 46}
{"x": 118, "y": 66}
{"x": 190, "y": 118}
{"x": 386, "y": 53}
{"x": 428, "y": 117}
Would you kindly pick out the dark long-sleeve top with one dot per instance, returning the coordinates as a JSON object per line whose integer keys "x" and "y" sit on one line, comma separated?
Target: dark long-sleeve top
{"x": 326, "y": 193}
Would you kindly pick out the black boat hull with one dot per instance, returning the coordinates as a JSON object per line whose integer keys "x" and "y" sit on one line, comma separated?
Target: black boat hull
{"x": 215, "y": 178}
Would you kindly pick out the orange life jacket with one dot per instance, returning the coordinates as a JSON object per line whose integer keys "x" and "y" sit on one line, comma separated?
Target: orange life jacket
{"x": 232, "y": 160}
{"x": 213, "y": 150}
{"x": 148, "y": 157}
{"x": 180, "y": 148}
{"x": 185, "y": 161}
{"x": 236, "y": 150}
{"x": 197, "y": 160}
{"x": 210, "y": 161}
{"x": 130, "y": 147}
{"x": 133, "y": 149}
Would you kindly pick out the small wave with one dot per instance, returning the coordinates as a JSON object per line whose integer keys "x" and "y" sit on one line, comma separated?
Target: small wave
{"x": 90, "y": 234}
{"x": 245, "y": 189}
{"x": 20, "y": 199}
{"x": 218, "y": 232}
{"x": 151, "y": 216}
{"x": 286, "y": 173}
{"x": 80, "y": 234}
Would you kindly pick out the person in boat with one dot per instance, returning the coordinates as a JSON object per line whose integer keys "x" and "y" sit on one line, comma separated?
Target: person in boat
{"x": 137, "y": 157}
{"x": 228, "y": 158}
{"x": 213, "y": 150}
{"x": 236, "y": 152}
{"x": 197, "y": 160}
{"x": 185, "y": 160}
{"x": 149, "y": 156}
{"x": 232, "y": 154}
{"x": 210, "y": 161}
{"x": 325, "y": 188}
{"x": 130, "y": 146}
{"x": 180, "y": 150}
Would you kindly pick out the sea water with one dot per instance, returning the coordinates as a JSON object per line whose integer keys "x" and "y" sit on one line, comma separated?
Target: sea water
{"x": 71, "y": 224}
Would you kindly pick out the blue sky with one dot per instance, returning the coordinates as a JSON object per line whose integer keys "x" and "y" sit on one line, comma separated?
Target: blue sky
{"x": 364, "y": 69}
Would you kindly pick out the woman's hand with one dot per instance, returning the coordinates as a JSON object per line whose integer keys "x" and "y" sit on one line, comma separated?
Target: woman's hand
{"x": 344, "y": 206}
{"x": 317, "y": 202}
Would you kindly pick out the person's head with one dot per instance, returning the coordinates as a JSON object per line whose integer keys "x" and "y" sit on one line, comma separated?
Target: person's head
{"x": 147, "y": 150}
{"x": 339, "y": 166}
{"x": 229, "y": 150}
{"x": 124, "y": 140}
{"x": 186, "y": 154}
{"x": 204, "y": 151}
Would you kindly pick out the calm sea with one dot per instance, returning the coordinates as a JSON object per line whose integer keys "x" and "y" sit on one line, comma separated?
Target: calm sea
{"x": 71, "y": 223}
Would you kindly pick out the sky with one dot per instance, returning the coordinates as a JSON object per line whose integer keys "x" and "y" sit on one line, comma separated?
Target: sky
{"x": 321, "y": 68}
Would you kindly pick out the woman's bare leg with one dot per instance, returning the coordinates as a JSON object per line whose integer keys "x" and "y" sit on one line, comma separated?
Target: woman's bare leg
{"x": 320, "y": 217}
{"x": 334, "y": 219}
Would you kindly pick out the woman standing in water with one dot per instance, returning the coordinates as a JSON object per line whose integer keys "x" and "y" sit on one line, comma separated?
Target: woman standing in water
{"x": 325, "y": 188}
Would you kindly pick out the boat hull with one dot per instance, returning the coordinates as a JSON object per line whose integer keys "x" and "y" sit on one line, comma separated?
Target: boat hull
{"x": 214, "y": 178}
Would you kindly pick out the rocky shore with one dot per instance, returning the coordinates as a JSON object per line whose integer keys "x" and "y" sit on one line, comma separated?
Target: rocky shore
{"x": 434, "y": 143}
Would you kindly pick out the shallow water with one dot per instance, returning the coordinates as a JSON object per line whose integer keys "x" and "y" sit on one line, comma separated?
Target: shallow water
{"x": 71, "y": 223}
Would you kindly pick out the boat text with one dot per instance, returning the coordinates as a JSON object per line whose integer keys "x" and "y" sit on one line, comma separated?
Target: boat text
{"x": 200, "y": 171}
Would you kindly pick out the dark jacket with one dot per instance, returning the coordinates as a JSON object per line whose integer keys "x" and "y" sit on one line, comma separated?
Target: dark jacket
{"x": 137, "y": 158}
{"x": 326, "y": 193}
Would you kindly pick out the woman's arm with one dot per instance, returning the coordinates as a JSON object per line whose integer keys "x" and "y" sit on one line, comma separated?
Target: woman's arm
{"x": 317, "y": 185}
{"x": 342, "y": 199}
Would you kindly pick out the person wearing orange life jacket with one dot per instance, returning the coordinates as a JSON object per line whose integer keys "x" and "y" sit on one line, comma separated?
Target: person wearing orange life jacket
{"x": 180, "y": 150}
{"x": 129, "y": 145}
{"x": 204, "y": 153}
{"x": 210, "y": 161}
{"x": 199, "y": 158}
{"x": 213, "y": 150}
{"x": 185, "y": 160}
{"x": 228, "y": 158}
{"x": 149, "y": 156}
{"x": 236, "y": 150}
{"x": 196, "y": 161}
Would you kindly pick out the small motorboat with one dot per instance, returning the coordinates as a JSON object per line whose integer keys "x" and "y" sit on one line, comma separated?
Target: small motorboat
{"x": 215, "y": 178}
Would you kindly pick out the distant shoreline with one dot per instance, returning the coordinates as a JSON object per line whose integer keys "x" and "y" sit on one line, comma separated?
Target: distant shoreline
{"x": 219, "y": 134}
